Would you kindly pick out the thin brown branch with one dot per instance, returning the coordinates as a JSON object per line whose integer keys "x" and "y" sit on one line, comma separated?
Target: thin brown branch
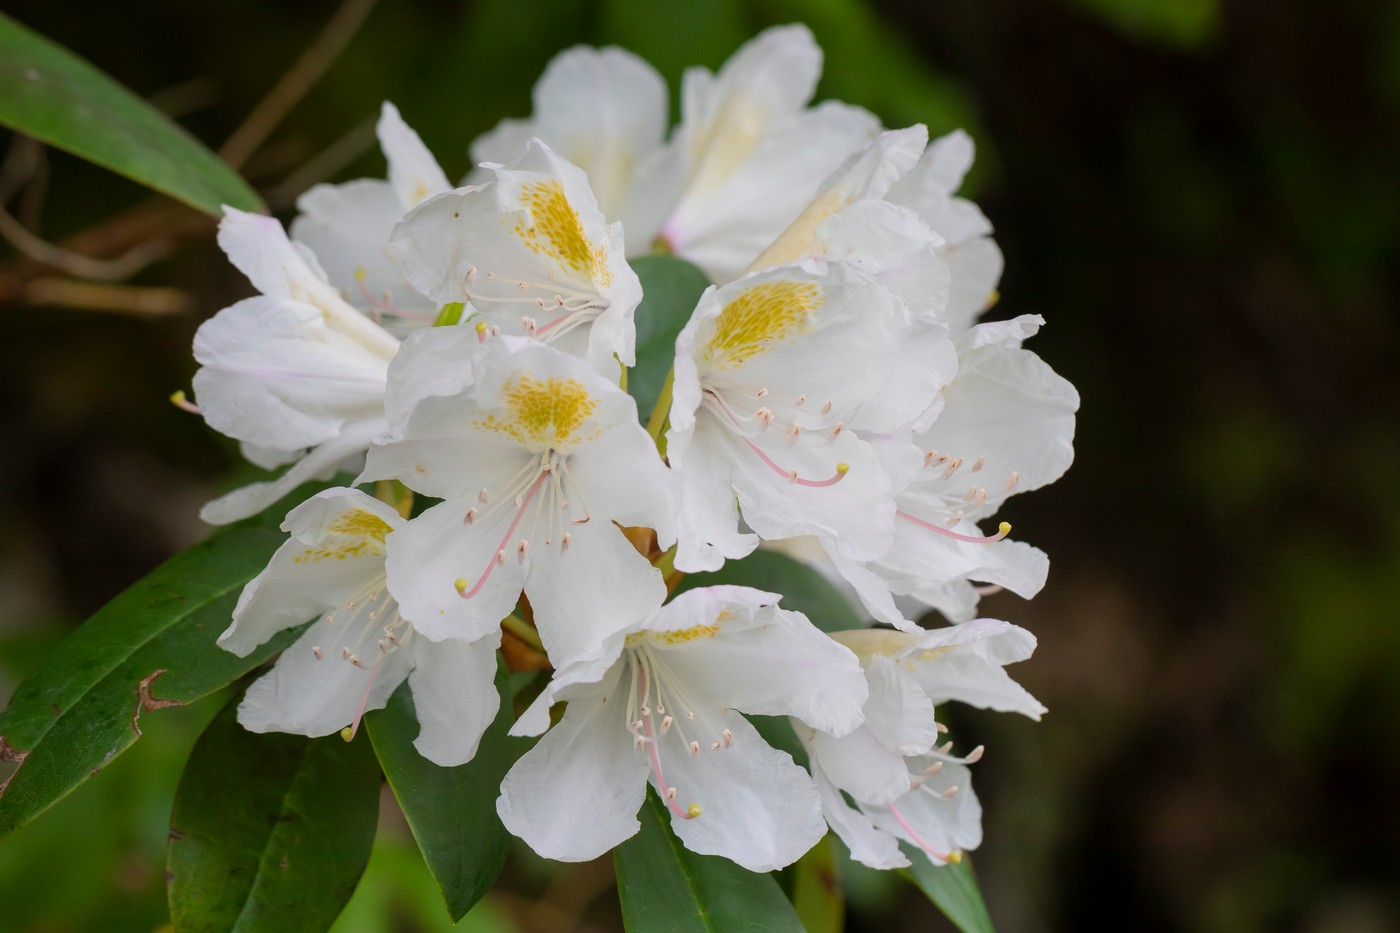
{"x": 292, "y": 87}
{"x": 138, "y": 300}
{"x": 322, "y": 166}
{"x": 86, "y": 267}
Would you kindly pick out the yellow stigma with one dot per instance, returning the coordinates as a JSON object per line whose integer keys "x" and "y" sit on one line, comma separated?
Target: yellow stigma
{"x": 177, "y": 397}
{"x": 544, "y": 413}
{"x": 360, "y": 274}
{"x": 555, "y": 230}
{"x": 693, "y": 810}
{"x": 954, "y": 857}
{"x": 760, "y": 317}
{"x": 460, "y": 584}
{"x": 842, "y": 468}
{"x": 1004, "y": 528}
{"x": 481, "y": 327}
{"x": 347, "y": 733}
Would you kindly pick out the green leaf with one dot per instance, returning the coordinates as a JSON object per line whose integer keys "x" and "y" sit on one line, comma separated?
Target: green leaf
{"x": 670, "y": 288}
{"x": 953, "y": 890}
{"x": 452, "y": 811}
{"x": 803, "y": 589}
{"x": 52, "y": 95}
{"x": 816, "y": 890}
{"x": 152, "y": 646}
{"x": 269, "y": 831}
{"x": 665, "y": 886}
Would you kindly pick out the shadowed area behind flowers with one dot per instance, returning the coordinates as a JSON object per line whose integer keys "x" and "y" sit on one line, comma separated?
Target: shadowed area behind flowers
{"x": 1201, "y": 201}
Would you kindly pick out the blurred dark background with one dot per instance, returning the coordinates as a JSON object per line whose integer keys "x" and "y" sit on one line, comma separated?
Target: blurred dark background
{"x": 1202, "y": 199}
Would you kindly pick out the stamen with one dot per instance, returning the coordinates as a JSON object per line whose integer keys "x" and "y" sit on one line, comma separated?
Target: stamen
{"x": 826, "y": 407}
{"x": 316, "y": 652}
{"x": 668, "y": 793}
{"x": 1003, "y": 530}
{"x": 981, "y": 462}
{"x": 1011, "y": 483}
{"x": 470, "y": 517}
{"x": 482, "y": 331}
{"x": 500, "y": 558}
{"x": 953, "y": 857}
{"x": 349, "y": 731}
{"x": 179, "y": 401}
{"x": 991, "y": 589}
{"x": 801, "y": 400}
{"x": 791, "y": 475}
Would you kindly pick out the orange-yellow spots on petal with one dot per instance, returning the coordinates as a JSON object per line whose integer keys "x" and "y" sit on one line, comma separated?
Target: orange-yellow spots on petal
{"x": 759, "y": 318}
{"x": 545, "y": 413}
{"x": 555, "y": 230}
{"x": 354, "y": 534}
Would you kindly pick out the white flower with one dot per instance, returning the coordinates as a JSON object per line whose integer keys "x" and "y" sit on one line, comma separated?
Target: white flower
{"x": 602, "y": 109}
{"x": 361, "y": 647}
{"x": 972, "y": 255}
{"x": 536, "y": 459}
{"x": 903, "y": 785}
{"x": 347, "y": 226}
{"x": 774, "y": 374}
{"x": 1006, "y": 426}
{"x": 664, "y": 699}
{"x": 295, "y": 373}
{"x": 533, "y": 255}
{"x": 748, "y": 154}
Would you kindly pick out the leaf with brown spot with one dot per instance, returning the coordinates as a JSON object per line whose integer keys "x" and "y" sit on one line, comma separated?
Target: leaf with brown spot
{"x": 75, "y": 714}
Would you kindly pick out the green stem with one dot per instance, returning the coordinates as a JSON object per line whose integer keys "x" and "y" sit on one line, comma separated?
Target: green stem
{"x": 523, "y": 631}
{"x": 656, "y": 424}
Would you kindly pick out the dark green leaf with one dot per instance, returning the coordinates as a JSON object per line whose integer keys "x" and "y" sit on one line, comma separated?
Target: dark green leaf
{"x": 151, "y": 646}
{"x": 665, "y": 886}
{"x": 52, "y": 95}
{"x": 803, "y": 589}
{"x": 816, "y": 890}
{"x": 953, "y": 890}
{"x": 269, "y": 831}
{"x": 452, "y": 811}
{"x": 670, "y": 288}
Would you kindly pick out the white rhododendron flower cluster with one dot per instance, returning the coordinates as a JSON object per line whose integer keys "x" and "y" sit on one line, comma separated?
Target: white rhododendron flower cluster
{"x": 833, "y": 385}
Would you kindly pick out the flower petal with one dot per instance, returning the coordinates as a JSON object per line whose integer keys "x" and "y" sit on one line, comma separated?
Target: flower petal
{"x": 758, "y": 808}
{"x": 336, "y": 544}
{"x": 575, "y": 795}
{"x": 413, "y": 172}
{"x": 454, "y": 693}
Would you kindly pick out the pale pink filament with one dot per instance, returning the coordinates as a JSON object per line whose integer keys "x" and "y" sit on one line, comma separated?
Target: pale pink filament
{"x": 666, "y": 792}
{"x": 919, "y": 840}
{"x": 515, "y": 523}
{"x": 970, "y": 539}
{"x": 791, "y": 474}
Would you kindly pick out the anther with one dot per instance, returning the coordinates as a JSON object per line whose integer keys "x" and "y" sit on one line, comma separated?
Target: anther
{"x": 950, "y": 793}
{"x": 933, "y": 769}
{"x": 940, "y": 727}
{"x": 764, "y": 416}
{"x": 945, "y": 748}
{"x": 666, "y": 725}
{"x": 564, "y": 545}
{"x": 801, "y": 400}
{"x": 826, "y": 407}
{"x": 714, "y": 746}
{"x": 694, "y": 749}
{"x": 527, "y": 324}
{"x": 524, "y": 546}
{"x": 470, "y": 517}
{"x": 975, "y": 755}
{"x": 316, "y": 652}
{"x": 952, "y": 467}
{"x": 794, "y": 433}
{"x": 501, "y": 557}
{"x": 482, "y": 497}
{"x": 761, "y": 393}
{"x": 981, "y": 462}
{"x": 179, "y": 401}
{"x": 1011, "y": 483}
{"x": 670, "y": 793}
{"x": 836, "y": 429}
{"x": 930, "y": 456}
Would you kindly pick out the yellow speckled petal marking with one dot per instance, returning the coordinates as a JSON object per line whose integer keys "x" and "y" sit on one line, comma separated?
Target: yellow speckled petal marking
{"x": 544, "y": 413}
{"x": 556, "y": 231}
{"x": 760, "y": 317}
{"x": 678, "y": 637}
{"x": 354, "y": 534}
